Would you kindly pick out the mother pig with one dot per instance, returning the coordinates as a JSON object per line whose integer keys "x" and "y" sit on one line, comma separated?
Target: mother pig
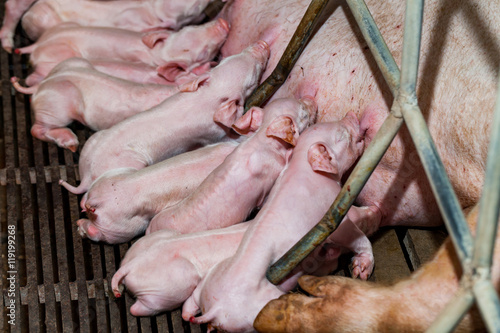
{"x": 457, "y": 79}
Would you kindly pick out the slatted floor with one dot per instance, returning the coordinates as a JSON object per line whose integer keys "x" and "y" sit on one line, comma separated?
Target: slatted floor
{"x": 61, "y": 281}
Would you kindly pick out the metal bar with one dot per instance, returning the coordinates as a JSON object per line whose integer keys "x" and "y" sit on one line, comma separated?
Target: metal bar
{"x": 411, "y": 46}
{"x": 177, "y": 322}
{"x": 46, "y": 242}
{"x": 290, "y": 55}
{"x": 369, "y": 160}
{"x": 7, "y": 120}
{"x": 132, "y": 326}
{"x": 453, "y": 313}
{"x": 358, "y": 178}
{"x": 162, "y": 323}
{"x": 487, "y": 223}
{"x": 433, "y": 166}
{"x": 126, "y": 301}
{"x": 12, "y": 270}
{"x": 488, "y": 303}
{"x": 101, "y": 313}
{"x": 4, "y": 189}
{"x": 84, "y": 308}
{"x": 61, "y": 252}
{"x": 441, "y": 187}
{"x": 34, "y": 308}
{"x": 114, "y": 312}
{"x": 376, "y": 43}
{"x": 145, "y": 323}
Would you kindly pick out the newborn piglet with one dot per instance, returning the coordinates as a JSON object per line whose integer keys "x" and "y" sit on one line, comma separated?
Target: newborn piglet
{"x": 142, "y": 73}
{"x": 201, "y": 114}
{"x": 234, "y": 291}
{"x": 173, "y": 53}
{"x": 75, "y": 90}
{"x": 121, "y": 202}
{"x": 162, "y": 269}
{"x": 237, "y": 186}
{"x": 124, "y": 14}
{"x": 14, "y": 10}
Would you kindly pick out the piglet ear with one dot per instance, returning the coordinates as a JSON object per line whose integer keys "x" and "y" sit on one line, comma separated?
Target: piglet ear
{"x": 202, "y": 69}
{"x": 284, "y": 128}
{"x": 249, "y": 122}
{"x": 152, "y": 37}
{"x": 322, "y": 159}
{"x": 172, "y": 70}
{"x": 228, "y": 112}
{"x": 193, "y": 85}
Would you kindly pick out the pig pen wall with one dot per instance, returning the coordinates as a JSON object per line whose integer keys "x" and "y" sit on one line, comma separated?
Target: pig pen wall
{"x": 54, "y": 281}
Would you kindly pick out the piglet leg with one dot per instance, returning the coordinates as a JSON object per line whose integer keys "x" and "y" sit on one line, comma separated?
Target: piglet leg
{"x": 363, "y": 221}
{"x": 14, "y": 9}
{"x": 62, "y": 136}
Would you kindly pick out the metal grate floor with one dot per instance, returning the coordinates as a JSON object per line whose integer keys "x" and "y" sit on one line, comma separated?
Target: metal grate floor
{"x": 54, "y": 281}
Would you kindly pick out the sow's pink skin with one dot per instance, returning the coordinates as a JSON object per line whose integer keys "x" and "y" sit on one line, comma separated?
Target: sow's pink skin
{"x": 242, "y": 182}
{"x": 200, "y": 114}
{"x": 120, "y": 203}
{"x": 173, "y": 53}
{"x": 162, "y": 269}
{"x": 234, "y": 291}
{"x": 75, "y": 90}
{"x": 125, "y": 14}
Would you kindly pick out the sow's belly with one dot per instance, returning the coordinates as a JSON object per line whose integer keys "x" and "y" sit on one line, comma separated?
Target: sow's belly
{"x": 456, "y": 88}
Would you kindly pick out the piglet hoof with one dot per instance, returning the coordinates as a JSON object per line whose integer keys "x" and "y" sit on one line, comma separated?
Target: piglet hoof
{"x": 118, "y": 293}
{"x": 81, "y": 232}
{"x": 362, "y": 266}
{"x": 73, "y": 148}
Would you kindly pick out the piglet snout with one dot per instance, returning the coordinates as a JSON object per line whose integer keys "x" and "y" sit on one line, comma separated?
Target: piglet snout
{"x": 311, "y": 108}
{"x": 223, "y": 26}
{"x": 260, "y": 50}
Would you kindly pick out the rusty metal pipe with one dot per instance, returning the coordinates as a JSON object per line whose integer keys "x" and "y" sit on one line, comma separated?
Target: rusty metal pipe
{"x": 290, "y": 56}
{"x": 488, "y": 303}
{"x": 376, "y": 43}
{"x": 433, "y": 166}
{"x": 490, "y": 201}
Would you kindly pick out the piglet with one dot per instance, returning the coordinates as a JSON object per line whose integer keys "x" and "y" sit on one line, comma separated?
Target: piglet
{"x": 235, "y": 188}
{"x": 121, "y": 202}
{"x": 125, "y": 14}
{"x": 234, "y": 291}
{"x": 172, "y": 53}
{"x": 14, "y": 10}
{"x": 75, "y": 90}
{"x": 136, "y": 72}
{"x": 162, "y": 269}
{"x": 200, "y": 114}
